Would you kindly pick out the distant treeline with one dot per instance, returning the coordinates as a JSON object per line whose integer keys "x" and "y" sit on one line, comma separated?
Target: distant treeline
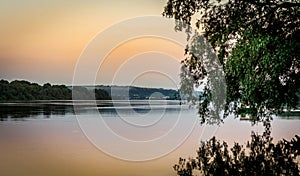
{"x": 140, "y": 93}
{"x": 154, "y": 93}
{"x": 24, "y": 90}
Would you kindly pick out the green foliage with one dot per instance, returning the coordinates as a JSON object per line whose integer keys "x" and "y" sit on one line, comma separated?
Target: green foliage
{"x": 265, "y": 74}
{"x": 24, "y": 90}
{"x": 101, "y": 95}
{"x": 82, "y": 93}
{"x": 260, "y": 157}
{"x": 257, "y": 43}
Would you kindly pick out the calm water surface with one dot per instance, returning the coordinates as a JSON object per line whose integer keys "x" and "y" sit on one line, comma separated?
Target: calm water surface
{"x": 44, "y": 137}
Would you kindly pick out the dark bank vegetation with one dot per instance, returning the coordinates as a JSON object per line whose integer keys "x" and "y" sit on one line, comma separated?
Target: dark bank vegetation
{"x": 140, "y": 93}
{"x": 27, "y": 91}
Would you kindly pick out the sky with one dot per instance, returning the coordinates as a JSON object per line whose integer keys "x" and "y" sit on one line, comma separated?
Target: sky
{"x": 41, "y": 41}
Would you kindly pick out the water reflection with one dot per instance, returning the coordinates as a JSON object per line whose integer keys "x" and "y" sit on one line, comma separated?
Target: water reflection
{"x": 21, "y": 111}
{"x": 290, "y": 115}
{"x": 54, "y": 146}
{"x": 44, "y": 109}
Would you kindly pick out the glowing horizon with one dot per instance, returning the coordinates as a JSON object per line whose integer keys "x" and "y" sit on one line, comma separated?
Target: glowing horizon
{"x": 41, "y": 41}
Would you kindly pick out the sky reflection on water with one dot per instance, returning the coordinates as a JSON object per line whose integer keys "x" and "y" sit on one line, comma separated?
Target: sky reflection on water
{"x": 45, "y": 139}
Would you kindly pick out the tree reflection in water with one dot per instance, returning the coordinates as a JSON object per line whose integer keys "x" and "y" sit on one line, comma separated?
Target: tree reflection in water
{"x": 19, "y": 111}
{"x": 261, "y": 156}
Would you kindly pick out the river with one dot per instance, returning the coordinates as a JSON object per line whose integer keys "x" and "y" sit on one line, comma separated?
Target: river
{"x": 51, "y": 138}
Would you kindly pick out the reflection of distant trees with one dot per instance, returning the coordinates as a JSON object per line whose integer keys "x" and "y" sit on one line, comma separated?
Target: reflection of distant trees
{"x": 290, "y": 115}
{"x": 18, "y": 112}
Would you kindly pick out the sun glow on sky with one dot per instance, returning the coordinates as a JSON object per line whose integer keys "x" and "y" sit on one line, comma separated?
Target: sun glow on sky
{"x": 42, "y": 40}
{"x": 150, "y": 58}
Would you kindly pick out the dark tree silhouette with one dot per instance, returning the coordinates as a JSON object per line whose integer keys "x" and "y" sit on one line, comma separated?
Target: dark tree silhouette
{"x": 257, "y": 43}
{"x": 24, "y": 90}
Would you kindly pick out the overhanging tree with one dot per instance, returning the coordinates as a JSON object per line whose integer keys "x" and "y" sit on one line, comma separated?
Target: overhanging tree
{"x": 257, "y": 43}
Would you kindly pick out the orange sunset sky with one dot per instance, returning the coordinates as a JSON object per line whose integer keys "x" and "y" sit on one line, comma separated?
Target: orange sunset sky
{"x": 41, "y": 41}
